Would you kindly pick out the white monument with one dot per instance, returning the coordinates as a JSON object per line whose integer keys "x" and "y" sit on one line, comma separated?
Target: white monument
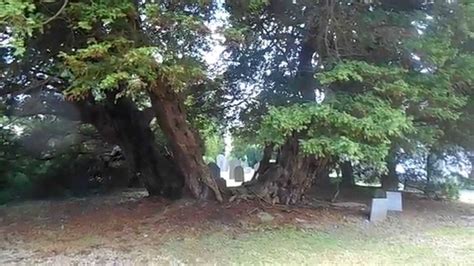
{"x": 232, "y": 165}
{"x": 248, "y": 170}
{"x": 394, "y": 201}
{"x": 378, "y": 209}
{"x": 221, "y": 161}
{"x": 256, "y": 166}
{"x": 239, "y": 175}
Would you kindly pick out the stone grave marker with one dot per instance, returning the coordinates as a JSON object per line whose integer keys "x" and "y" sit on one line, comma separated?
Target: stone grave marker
{"x": 239, "y": 174}
{"x": 232, "y": 165}
{"x": 394, "y": 201}
{"x": 215, "y": 170}
{"x": 216, "y": 174}
{"x": 256, "y": 166}
{"x": 220, "y": 160}
{"x": 248, "y": 170}
{"x": 225, "y": 165}
{"x": 378, "y": 210}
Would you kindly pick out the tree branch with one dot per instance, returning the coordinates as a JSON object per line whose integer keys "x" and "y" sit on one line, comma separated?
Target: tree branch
{"x": 57, "y": 13}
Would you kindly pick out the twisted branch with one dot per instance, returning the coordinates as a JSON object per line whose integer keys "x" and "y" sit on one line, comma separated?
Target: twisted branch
{"x": 57, "y": 13}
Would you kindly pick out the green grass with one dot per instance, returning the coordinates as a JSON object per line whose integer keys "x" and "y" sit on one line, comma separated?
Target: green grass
{"x": 453, "y": 232}
{"x": 290, "y": 246}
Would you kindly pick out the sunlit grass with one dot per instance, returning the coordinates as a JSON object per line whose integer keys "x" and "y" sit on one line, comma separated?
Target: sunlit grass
{"x": 292, "y": 246}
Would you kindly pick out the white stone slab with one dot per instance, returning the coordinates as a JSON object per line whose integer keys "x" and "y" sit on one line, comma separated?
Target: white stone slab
{"x": 220, "y": 160}
{"x": 239, "y": 175}
{"x": 394, "y": 201}
{"x": 248, "y": 170}
{"x": 256, "y": 166}
{"x": 232, "y": 165}
{"x": 378, "y": 210}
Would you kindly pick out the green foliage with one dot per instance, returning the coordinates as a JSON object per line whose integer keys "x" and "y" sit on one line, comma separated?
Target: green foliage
{"x": 339, "y": 129}
{"x": 243, "y": 149}
{"x": 257, "y": 5}
{"x": 22, "y": 177}
{"x": 13, "y": 12}
{"x": 117, "y": 65}
{"x": 114, "y": 51}
{"x": 212, "y": 136}
{"x": 359, "y": 71}
{"x": 451, "y": 190}
{"x": 18, "y": 171}
{"x": 385, "y": 85}
{"x": 86, "y": 14}
{"x": 429, "y": 98}
{"x": 448, "y": 189}
{"x": 41, "y": 157}
{"x": 234, "y": 35}
{"x": 105, "y": 66}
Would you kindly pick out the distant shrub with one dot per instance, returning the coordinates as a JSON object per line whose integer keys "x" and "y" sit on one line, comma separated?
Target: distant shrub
{"x": 61, "y": 176}
{"x": 450, "y": 190}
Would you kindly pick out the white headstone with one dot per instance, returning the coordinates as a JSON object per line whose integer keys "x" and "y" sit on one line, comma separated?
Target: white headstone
{"x": 248, "y": 170}
{"x": 225, "y": 165}
{"x": 239, "y": 174}
{"x": 256, "y": 166}
{"x": 378, "y": 210}
{"x": 232, "y": 165}
{"x": 394, "y": 201}
{"x": 220, "y": 160}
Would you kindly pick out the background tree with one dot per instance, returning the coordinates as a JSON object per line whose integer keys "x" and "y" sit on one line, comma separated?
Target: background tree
{"x": 364, "y": 57}
{"x": 122, "y": 51}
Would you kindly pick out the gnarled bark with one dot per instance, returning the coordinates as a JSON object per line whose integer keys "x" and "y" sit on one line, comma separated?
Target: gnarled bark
{"x": 288, "y": 180}
{"x": 264, "y": 164}
{"x": 121, "y": 123}
{"x": 390, "y": 179}
{"x": 293, "y": 174}
{"x": 347, "y": 173}
{"x": 184, "y": 141}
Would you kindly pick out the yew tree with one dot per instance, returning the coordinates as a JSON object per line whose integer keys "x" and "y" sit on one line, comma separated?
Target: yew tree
{"x": 349, "y": 81}
{"x": 120, "y": 64}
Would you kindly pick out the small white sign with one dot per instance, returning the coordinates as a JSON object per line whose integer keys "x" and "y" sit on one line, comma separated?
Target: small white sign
{"x": 394, "y": 199}
{"x": 378, "y": 210}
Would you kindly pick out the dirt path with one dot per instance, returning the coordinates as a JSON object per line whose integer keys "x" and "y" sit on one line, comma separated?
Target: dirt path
{"x": 125, "y": 227}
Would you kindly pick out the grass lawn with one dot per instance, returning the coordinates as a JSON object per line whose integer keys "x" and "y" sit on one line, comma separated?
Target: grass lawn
{"x": 125, "y": 229}
{"x": 293, "y": 246}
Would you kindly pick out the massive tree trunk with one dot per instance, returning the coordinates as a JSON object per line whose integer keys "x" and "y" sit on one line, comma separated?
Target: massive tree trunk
{"x": 264, "y": 164}
{"x": 292, "y": 176}
{"x": 347, "y": 173}
{"x": 390, "y": 179}
{"x": 287, "y": 181}
{"x": 430, "y": 167}
{"x": 323, "y": 179}
{"x": 185, "y": 143}
{"x": 121, "y": 123}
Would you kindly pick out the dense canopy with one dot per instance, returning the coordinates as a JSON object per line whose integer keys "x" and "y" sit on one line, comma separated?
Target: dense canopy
{"x": 310, "y": 87}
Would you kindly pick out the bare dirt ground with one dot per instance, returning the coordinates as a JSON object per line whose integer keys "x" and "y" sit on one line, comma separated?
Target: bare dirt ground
{"x": 127, "y": 228}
